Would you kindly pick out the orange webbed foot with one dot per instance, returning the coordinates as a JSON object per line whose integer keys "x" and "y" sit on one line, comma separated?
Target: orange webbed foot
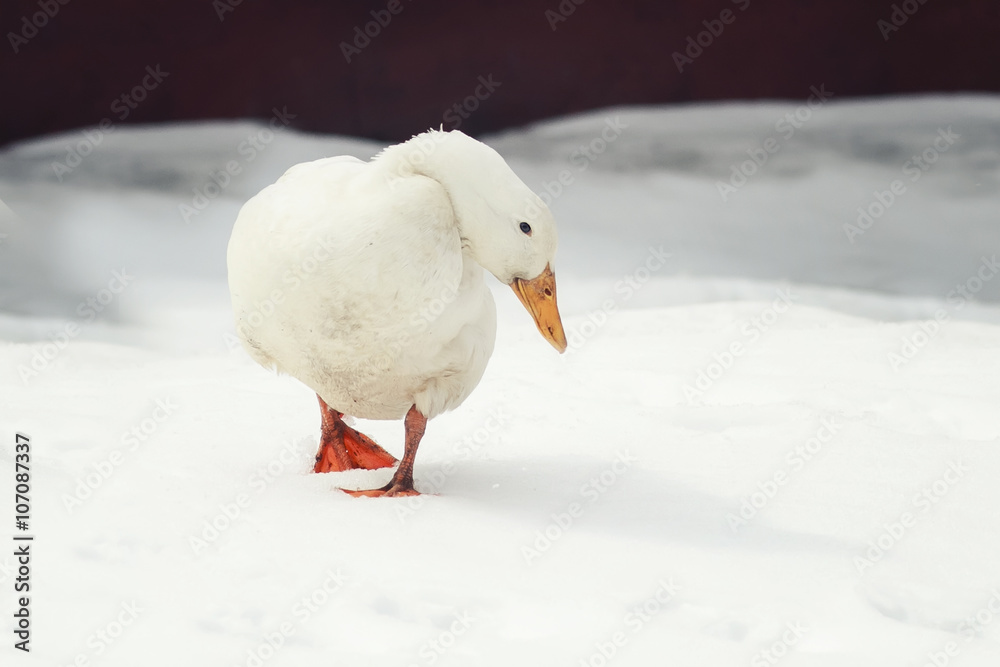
{"x": 343, "y": 448}
{"x": 364, "y": 452}
{"x": 387, "y": 491}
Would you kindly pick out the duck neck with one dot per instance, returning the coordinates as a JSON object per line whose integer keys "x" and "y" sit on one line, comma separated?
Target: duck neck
{"x": 444, "y": 157}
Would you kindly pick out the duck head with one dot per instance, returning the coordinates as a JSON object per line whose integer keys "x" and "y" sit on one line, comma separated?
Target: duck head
{"x": 504, "y": 226}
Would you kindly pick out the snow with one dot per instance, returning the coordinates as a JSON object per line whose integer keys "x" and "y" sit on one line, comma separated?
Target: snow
{"x": 775, "y": 446}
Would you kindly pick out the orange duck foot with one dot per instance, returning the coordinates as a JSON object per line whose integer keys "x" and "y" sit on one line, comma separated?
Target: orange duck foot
{"x": 343, "y": 448}
{"x": 390, "y": 490}
{"x": 401, "y": 483}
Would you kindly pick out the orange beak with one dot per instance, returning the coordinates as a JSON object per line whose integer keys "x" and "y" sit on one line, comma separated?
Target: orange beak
{"x": 538, "y": 296}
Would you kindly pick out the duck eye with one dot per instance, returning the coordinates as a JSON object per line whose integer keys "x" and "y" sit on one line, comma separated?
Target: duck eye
{"x": 526, "y": 228}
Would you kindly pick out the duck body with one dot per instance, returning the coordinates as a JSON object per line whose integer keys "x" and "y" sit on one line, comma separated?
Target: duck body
{"x": 357, "y": 284}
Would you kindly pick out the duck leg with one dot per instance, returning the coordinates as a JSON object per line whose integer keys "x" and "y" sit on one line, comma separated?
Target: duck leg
{"x": 401, "y": 483}
{"x": 343, "y": 448}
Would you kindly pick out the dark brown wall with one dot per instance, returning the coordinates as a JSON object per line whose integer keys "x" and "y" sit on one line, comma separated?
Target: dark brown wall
{"x": 272, "y": 53}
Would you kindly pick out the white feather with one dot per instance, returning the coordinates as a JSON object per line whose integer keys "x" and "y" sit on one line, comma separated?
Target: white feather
{"x": 365, "y": 282}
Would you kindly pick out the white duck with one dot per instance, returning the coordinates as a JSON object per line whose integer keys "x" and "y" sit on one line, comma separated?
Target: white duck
{"x": 364, "y": 280}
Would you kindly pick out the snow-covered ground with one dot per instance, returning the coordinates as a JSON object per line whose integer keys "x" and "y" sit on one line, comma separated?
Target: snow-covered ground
{"x": 776, "y": 445}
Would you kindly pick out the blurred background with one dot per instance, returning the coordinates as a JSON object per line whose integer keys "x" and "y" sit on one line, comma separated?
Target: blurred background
{"x": 120, "y": 118}
{"x": 387, "y": 70}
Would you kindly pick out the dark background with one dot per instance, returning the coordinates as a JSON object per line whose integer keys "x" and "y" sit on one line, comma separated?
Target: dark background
{"x": 288, "y": 54}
